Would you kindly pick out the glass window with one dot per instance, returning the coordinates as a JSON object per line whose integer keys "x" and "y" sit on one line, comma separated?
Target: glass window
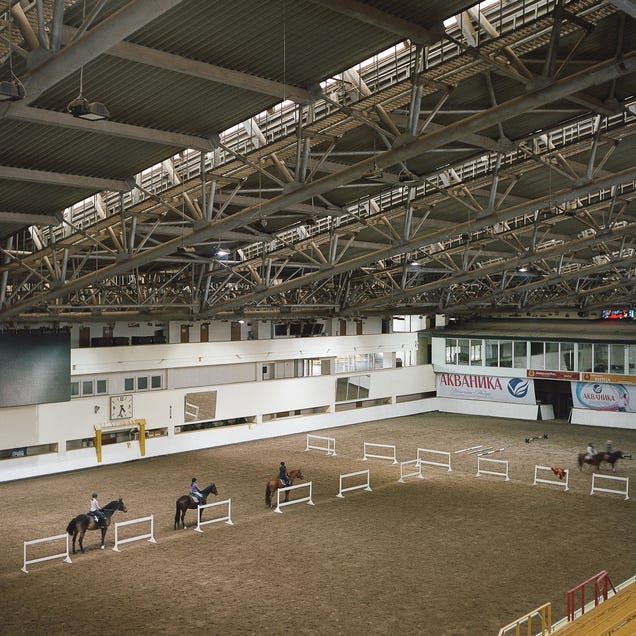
{"x": 101, "y": 387}
{"x": 74, "y": 389}
{"x": 155, "y": 382}
{"x": 452, "y": 351}
{"x": 552, "y": 356}
{"x": 129, "y": 384}
{"x": 521, "y": 355}
{"x": 475, "y": 353}
{"x": 600, "y": 358}
{"x": 87, "y": 387}
{"x": 492, "y": 353}
{"x": 617, "y": 358}
{"x": 567, "y": 356}
{"x": 142, "y": 383}
{"x": 505, "y": 354}
{"x": 632, "y": 360}
{"x": 536, "y": 355}
{"x": 464, "y": 346}
{"x": 585, "y": 357}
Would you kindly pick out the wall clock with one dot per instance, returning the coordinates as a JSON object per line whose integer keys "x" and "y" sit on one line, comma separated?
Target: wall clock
{"x": 121, "y": 407}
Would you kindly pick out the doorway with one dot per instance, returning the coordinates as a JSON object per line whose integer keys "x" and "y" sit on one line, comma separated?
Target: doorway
{"x": 555, "y": 392}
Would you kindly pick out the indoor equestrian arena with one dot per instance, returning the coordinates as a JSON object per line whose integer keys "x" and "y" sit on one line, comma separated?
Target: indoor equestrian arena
{"x": 448, "y": 554}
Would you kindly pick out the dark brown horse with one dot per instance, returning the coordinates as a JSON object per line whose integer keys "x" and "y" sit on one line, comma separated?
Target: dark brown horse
{"x": 596, "y": 460}
{"x": 80, "y": 524}
{"x": 187, "y": 502}
{"x": 274, "y": 484}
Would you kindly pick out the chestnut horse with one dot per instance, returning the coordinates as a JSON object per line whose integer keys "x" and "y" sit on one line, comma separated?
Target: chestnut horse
{"x": 80, "y": 524}
{"x": 274, "y": 484}
{"x": 595, "y": 460}
{"x": 187, "y": 502}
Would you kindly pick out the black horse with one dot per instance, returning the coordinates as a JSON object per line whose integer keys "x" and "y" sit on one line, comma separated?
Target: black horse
{"x": 187, "y": 502}
{"x": 80, "y": 524}
{"x": 596, "y": 460}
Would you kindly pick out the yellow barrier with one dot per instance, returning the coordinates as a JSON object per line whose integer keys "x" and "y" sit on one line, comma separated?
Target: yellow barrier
{"x": 544, "y": 611}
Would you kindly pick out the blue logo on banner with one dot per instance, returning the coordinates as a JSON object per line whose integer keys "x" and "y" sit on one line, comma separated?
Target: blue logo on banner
{"x": 518, "y": 388}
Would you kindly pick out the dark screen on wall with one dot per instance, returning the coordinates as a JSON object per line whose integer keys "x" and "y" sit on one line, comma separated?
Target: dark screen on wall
{"x": 35, "y": 368}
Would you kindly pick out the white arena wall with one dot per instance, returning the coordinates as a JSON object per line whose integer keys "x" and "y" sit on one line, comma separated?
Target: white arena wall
{"x": 54, "y": 424}
{"x": 493, "y": 409}
{"x": 612, "y": 419}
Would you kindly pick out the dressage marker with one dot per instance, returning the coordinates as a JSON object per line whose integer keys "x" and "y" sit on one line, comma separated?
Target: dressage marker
{"x": 150, "y": 536}
{"x": 280, "y": 504}
{"x": 624, "y": 480}
{"x": 366, "y": 485}
{"x": 330, "y": 449}
{"x": 417, "y": 473}
{"x": 66, "y": 555}
{"x": 389, "y": 447}
{"x": 492, "y": 462}
{"x": 428, "y": 462}
{"x": 227, "y": 518}
{"x": 531, "y": 439}
{"x": 563, "y": 471}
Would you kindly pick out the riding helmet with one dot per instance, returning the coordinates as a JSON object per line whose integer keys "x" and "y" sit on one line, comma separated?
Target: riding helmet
{"x": 94, "y": 495}
{"x": 194, "y": 479}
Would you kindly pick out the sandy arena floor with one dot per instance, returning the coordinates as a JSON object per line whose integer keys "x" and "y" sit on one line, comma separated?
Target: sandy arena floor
{"x": 451, "y": 554}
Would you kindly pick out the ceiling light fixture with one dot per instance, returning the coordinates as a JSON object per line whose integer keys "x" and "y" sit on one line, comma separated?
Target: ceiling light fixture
{"x": 222, "y": 252}
{"x": 83, "y": 109}
{"x": 11, "y": 91}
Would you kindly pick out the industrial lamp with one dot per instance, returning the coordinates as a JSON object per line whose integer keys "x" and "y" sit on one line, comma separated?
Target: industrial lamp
{"x": 11, "y": 91}
{"x": 93, "y": 111}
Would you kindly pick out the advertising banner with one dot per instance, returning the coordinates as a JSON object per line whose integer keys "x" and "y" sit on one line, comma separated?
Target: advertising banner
{"x": 485, "y": 387}
{"x": 604, "y": 397}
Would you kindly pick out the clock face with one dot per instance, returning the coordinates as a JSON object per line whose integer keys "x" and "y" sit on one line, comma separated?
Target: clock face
{"x": 121, "y": 407}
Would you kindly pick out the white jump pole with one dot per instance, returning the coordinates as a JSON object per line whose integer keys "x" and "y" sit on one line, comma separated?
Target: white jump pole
{"x": 624, "y": 480}
{"x": 150, "y": 536}
{"x": 227, "y": 518}
{"x": 417, "y": 473}
{"x": 553, "y": 482}
{"x": 280, "y": 504}
{"x": 330, "y": 449}
{"x": 367, "y": 454}
{"x": 499, "y": 462}
{"x": 366, "y": 485}
{"x": 66, "y": 555}
{"x": 447, "y": 464}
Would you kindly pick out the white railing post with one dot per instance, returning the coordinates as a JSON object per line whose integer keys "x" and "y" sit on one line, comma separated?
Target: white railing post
{"x": 446, "y": 454}
{"x": 150, "y": 536}
{"x": 596, "y": 488}
{"x": 500, "y": 462}
{"x": 330, "y": 448}
{"x": 366, "y": 485}
{"x": 417, "y": 473}
{"x": 66, "y": 555}
{"x": 539, "y": 480}
{"x": 368, "y": 445}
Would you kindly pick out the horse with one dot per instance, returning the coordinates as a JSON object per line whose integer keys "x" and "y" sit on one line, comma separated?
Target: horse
{"x": 595, "y": 460}
{"x": 187, "y": 502}
{"x": 275, "y": 483}
{"x": 80, "y": 524}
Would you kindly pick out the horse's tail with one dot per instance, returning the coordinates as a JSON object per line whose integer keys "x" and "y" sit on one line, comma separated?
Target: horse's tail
{"x": 580, "y": 461}
{"x": 70, "y": 529}
{"x": 268, "y": 499}
{"x": 176, "y": 514}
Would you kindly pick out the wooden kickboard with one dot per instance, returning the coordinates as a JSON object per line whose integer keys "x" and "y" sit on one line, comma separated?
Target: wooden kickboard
{"x": 614, "y": 617}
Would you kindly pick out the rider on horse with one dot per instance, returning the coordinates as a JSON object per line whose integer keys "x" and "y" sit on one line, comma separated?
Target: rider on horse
{"x": 591, "y": 451}
{"x": 283, "y": 475}
{"x": 96, "y": 511}
{"x": 195, "y": 491}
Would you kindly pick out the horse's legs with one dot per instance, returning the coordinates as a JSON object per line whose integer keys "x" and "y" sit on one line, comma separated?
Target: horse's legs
{"x": 74, "y": 537}
{"x": 81, "y": 540}
{"x": 103, "y": 536}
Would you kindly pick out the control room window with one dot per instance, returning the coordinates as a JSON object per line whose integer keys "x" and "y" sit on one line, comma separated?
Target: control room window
{"x": 155, "y": 382}
{"x": 142, "y": 383}
{"x": 87, "y": 387}
{"x": 129, "y": 384}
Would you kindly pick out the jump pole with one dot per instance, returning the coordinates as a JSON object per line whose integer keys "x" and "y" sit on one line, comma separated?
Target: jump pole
{"x": 417, "y": 473}
{"x": 553, "y": 482}
{"x": 446, "y": 454}
{"x": 366, "y": 485}
{"x": 500, "y": 462}
{"x": 66, "y": 555}
{"x": 150, "y": 536}
{"x": 596, "y": 488}
{"x": 227, "y": 518}
{"x": 280, "y": 504}
{"x": 387, "y": 446}
{"x": 330, "y": 448}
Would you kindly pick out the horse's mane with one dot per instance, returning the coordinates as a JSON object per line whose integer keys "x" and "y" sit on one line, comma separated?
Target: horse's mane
{"x": 113, "y": 505}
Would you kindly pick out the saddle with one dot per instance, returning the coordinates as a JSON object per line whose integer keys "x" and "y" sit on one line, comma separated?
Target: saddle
{"x": 197, "y": 499}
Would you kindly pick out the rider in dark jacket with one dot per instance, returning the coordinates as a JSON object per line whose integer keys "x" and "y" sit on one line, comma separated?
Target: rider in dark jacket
{"x": 283, "y": 475}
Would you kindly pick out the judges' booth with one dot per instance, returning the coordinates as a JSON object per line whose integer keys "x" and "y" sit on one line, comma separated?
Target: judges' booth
{"x": 120, "y": 432}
